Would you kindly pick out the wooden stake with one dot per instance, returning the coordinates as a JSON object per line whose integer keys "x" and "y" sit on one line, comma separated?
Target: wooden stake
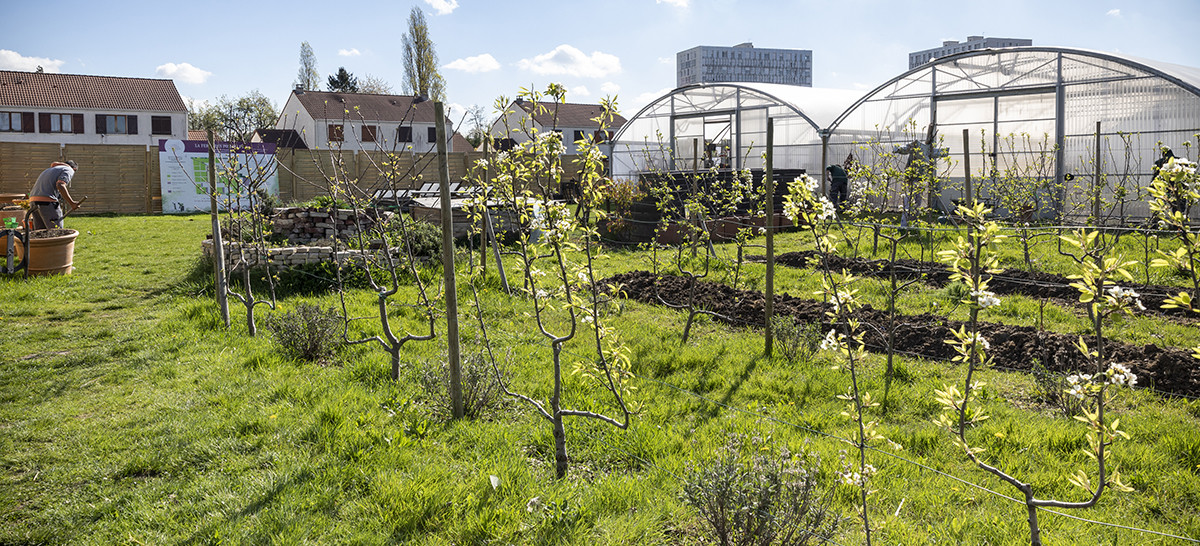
{"x": 451, "y": 288}
{"x": 222, "y": 288}
{"x": 769, "y": 181}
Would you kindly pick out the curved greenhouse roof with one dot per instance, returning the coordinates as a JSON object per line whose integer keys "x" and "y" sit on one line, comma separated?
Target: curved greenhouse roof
{"x": 1058, "y": 115}
{"x": 725, "y": 125}
{"x": 1050, "y": 117}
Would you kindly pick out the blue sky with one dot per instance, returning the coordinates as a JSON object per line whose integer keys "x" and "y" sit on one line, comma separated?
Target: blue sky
{"x": 615, "y": 47}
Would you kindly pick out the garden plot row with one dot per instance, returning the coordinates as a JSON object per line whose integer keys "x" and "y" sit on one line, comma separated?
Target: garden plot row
{"x": 924, "y": 335}
{"x": 1034, "y": 284}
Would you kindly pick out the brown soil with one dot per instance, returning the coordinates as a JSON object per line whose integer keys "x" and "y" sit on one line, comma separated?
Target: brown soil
{"x": 1034, "y": 284}
{"x": 1014, "y": 347}
{"x": 49, "y": 233}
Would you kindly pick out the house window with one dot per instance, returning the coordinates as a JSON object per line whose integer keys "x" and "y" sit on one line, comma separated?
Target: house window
{"x": 16, "y": 122}
{"x": 107, "y": 124}
{"x": 432, "y": 134}
{"x": 57, "y": 123}
{"x": 334, "y": 132}
{"x": 579, "y": 135}
{"x": 160, "y": 125}
{"x": 603, "y": 136}
{"x": 369, "y": 132}
{"x": 404, "y": 134}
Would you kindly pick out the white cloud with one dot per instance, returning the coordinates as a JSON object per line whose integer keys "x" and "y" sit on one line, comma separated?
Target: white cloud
{"x": 568, "y": 60}
{"x": 666, "y": 60}
{"x": 352, "y": 52}
{"x": 454, "y": 111}
{"x": 1113, "y": 13}
{"x": 11, "y": 60}
{"x": 645, "y": 98}
{"x": 478, "y": 63}
{"x": 184, "y": 72}
{"x": 443, "y": 7}
{"x": 609, "y": 88}
{"x": 676, "y": 3}
{"x": 579, "y": 92}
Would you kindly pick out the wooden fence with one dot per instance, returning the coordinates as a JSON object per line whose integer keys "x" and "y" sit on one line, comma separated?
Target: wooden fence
{"x": 125, "y": 179}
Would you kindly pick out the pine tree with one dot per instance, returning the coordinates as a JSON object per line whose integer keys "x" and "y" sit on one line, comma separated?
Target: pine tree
{"x": 343, "y": 81}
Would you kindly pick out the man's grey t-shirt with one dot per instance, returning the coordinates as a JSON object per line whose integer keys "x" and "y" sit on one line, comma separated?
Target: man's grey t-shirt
{"x": 47, "y": 182}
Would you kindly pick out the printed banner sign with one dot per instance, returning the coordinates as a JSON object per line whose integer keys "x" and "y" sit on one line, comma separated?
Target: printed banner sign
{"x": 183, "y": 168}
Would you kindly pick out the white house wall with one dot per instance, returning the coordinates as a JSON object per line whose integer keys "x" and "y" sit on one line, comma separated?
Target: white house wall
{"x": 89, "y": 135}
{"x": 315, "y": 131}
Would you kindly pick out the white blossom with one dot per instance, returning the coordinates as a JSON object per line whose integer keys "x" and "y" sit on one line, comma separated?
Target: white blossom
{"x": 1119, "y": 374}
{"x": 828, "y": 211}
{"x": 985, "y": 298}
{"x": 830, "y": 343}
{"x": 1075, "y": 386}
{"x": 1126, "y": 296}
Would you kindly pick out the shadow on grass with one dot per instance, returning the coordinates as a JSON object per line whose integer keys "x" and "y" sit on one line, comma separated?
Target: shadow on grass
{"x": 206, "y": 534}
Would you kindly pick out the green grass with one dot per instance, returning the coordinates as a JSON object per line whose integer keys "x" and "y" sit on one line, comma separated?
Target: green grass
{"x": 129, "y": 414}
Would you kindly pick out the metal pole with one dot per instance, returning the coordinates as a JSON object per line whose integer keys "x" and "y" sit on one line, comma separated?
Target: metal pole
{"x": 769, "y": 181}
{"x": 1096, "y": 181}
{"x": 824, "y": 159}
{"x": 451, "y": 288}
{"x": 967, "y": 188}
{"x": 218, "y": 245}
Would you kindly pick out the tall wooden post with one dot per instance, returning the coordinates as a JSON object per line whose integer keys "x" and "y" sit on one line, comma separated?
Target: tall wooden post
{"x": 451, "y": 288}
{"x": 218, "y": 244}
{"x": 769, "y": 181}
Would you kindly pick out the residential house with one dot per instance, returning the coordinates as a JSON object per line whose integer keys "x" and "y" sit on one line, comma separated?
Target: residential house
{"x": 362, "y": 121}
{"x": 37, "y": 107}
{"x": 573, "y": 121}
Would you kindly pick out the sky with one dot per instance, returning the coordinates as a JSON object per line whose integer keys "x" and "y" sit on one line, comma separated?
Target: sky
{"x": 488, "y": 49}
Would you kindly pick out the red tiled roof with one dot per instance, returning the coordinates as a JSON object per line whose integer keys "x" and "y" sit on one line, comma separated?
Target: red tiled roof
{"x": 45, "y": 90}
{"x": 459, "y": 143}
{"x": 569, "y": 115}
{"x": 402, "y": 108}
{"x": 194, "y": 134}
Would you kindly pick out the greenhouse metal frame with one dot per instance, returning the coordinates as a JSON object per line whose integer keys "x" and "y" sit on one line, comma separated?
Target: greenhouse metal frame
{"x": 1069, "y": 121}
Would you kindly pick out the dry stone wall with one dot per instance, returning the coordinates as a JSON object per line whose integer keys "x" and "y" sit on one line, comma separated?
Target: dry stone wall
{"x": 306, "y": 225}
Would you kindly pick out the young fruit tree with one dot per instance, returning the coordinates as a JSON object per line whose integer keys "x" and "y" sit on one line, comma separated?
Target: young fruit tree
{"x": 556, "y": 253}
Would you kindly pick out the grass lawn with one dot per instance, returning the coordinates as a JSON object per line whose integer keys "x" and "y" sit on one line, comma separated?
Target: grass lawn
{"x": 129, "y": 414}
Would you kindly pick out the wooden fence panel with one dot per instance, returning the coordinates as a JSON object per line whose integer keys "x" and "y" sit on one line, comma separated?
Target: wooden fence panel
{"x": 21, "y": 163}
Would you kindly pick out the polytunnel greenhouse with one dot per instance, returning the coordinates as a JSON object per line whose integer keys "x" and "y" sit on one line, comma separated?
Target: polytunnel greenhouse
{"x": 1047, "y": 130}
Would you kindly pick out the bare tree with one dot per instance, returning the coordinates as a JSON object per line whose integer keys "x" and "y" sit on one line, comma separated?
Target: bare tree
{"x": 374, "y": 84}
{"x": 421, "y": 75}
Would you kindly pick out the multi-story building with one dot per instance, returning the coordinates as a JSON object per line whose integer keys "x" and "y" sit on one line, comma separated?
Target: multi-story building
{"x": 743, "y": 63}
{"x": 950, "y": 47}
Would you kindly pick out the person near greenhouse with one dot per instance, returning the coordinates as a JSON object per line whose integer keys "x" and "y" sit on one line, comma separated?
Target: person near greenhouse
{"x": 49, "y": 191}
{"x": 1175, "y": 194}
{"x": 839, "y": 185}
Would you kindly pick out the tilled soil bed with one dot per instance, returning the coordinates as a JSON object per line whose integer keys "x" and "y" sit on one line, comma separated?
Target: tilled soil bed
{"x": 1014, "y": 347}
{"x": 1034, "y": 284}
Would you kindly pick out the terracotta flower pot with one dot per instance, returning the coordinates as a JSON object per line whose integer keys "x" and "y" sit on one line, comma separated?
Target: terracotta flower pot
{"x": 51, "y": 252}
